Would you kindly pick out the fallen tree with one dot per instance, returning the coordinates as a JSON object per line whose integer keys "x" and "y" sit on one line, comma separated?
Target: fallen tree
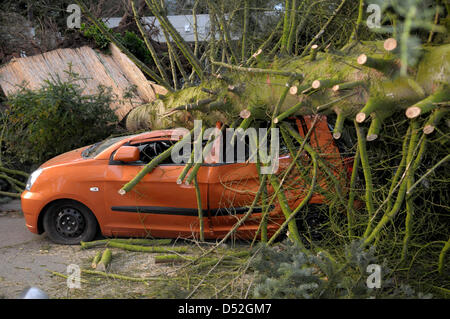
{"x": 388, "y": 97}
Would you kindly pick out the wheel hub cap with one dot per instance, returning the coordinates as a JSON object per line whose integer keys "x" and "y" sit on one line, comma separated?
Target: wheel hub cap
{"x": 70, "y": 222}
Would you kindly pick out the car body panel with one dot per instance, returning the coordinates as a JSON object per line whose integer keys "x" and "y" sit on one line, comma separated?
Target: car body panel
{"x": 157, "y": 206}
{"x": 72, "y": 156}
{"x": 231, "y": 189}
{"x": 57, "y": 182}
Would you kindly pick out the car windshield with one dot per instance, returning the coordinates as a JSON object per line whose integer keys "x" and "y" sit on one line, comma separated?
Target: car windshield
{"x": 99, "y": 147}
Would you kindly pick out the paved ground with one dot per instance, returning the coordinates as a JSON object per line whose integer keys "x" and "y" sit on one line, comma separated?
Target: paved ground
{"x": 26, "y": 260}
{"x": 25, "y": 257}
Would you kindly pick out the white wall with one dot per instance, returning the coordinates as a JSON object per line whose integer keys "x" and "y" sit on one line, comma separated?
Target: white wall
{"x": 184, "y": 24}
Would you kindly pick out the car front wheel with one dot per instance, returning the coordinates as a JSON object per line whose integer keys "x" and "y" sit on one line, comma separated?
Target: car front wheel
{"x": 69, "y": 222}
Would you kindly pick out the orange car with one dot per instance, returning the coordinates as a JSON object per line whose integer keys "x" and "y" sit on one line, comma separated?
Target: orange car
{"x": 72, "y": 196}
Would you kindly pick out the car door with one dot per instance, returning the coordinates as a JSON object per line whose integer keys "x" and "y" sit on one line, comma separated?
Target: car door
{"x": 232, "y": 188}
{"x": 157, "y": 206}
{"x": 231, "y": 192}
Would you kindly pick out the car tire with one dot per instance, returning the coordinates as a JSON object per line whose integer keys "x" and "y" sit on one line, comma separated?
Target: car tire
{"x": 69, "y": 222}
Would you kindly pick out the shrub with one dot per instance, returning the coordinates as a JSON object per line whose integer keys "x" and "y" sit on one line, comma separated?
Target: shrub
{"x": 54, "y": 119}
{"x": 92, "y": 32}
{"x": 137, "y": 46}
{"x": 129, "y": 39}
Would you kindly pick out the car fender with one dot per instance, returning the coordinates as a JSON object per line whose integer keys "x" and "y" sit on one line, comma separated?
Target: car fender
{"x": 84, "y": 184}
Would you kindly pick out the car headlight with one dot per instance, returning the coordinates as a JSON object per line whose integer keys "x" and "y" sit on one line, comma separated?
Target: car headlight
{"x": 33, "y": 177}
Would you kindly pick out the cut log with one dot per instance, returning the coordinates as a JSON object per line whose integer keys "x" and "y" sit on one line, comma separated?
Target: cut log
{"x": 429, "y": 103}
{"x": 383, "y": 65}
{"x": 9, "y": 194}
{"x": 339, "y": 125}
{"x": 373, "y": 104}
{"x": 293, "y": 90}
{"x": 374, "y": 129}
{"x": 131, "y": 241}
{"x": 165, "y": 259}
{"x": 117, "y": 276}
{"x": 147, "y": 249}
{"x": 313, "y": 54}
{"x": 434, "y": 119}
{"x": 96, "y": 260}
{"x": 299, "y": 89}
{"x": 245, "y": 114}
{"x": 14, "y": 172}
{"x": 105, "y": 260}
{"x": 288, "y": 113}
{"x": 323, "y": 83}
{"x": 346, "y": 85}
{"x": 258, "y": 52}
{"x": 253, "y": 112}
{"x": 390, "y": 44}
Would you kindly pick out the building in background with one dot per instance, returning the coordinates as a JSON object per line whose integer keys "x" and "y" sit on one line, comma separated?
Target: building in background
{"x": 184, "y": 24}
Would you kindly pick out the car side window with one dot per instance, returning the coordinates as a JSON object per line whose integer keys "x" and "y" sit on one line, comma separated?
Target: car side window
{"x": 229, "y": 151}
{"x": 150, "y": 150}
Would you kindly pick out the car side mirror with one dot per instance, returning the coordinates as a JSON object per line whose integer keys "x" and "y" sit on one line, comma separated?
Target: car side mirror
{"x": 126, "y": 154}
